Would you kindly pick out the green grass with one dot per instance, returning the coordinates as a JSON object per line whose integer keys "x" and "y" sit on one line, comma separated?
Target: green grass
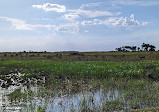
{"x": 79, "y": 69}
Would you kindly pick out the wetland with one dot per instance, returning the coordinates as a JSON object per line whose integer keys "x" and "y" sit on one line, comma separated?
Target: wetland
{"x": 78, "y": 86}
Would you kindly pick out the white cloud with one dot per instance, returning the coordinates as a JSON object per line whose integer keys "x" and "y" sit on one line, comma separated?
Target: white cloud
{"x": 137, "y": 2}
{"x": 124, "y": 21}
{"x": 91, "y": 14}
{"x": 69, "y": 28}
{"x": 94, "y": 22}
{"x": 22, "y": 25}
{"x": 83, "y": 6}
{"x": 71, "y": 16}
{"x": 51, "y": 7}
{"x": 116, "y": 21}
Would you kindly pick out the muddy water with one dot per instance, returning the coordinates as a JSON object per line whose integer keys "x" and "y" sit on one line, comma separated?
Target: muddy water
{"x": 29, "y": 96}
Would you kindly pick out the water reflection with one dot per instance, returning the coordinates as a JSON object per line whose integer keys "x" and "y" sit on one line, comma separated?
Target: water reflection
{"x": 109, "y": 96}
{"x": 5, "y": 104}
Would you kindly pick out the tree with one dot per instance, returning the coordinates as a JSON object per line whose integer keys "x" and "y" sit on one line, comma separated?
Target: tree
{"x": 138, "y": 48}
{"x": 144, "y": 47}
{"x": 119, "y": 49}
{"x": 133, "y": 48}
{"x": 148, "y": 47}
{"x": 152, "y": 48}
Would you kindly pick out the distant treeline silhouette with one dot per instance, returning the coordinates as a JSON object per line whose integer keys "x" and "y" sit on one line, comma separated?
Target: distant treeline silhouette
{"x": 144, "y": 47}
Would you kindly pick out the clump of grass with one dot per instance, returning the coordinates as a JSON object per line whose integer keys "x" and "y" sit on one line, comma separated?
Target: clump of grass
{"x": 115, "y": 105}
{"x": 41, "y": 109}
{"x": 31, "y": 75}
{"x": 84, "y": 105}
{"x": 18, "y": 95}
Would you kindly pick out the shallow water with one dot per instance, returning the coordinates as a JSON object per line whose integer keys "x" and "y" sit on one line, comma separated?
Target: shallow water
{"x": 107, "y": 97}
{"x": 51, "y": 104}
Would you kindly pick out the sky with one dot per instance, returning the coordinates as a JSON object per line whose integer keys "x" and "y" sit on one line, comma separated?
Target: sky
{"x": 77, "y": 25}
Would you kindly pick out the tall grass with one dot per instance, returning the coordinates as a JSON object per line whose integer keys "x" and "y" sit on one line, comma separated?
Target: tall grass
{"x": 112, "y": 96}
{"x": 79, "y": 69}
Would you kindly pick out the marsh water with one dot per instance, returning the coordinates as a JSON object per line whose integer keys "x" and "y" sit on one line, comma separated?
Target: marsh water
{"x": 69, "y": 95}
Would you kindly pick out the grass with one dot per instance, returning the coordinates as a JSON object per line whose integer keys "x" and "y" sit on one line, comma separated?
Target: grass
{"x": 80, "y": 56}
{"x": 78, "y": 69}
{"x": 154, "y": 109}
{"x": 125, "y": 72}
{"x": 116, "y": 95}
{"x": 18, "y": 95}
{"x": 125, "y": 94}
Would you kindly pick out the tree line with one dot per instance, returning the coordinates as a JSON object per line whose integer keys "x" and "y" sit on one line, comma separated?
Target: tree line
{"x": 144, "y": 47}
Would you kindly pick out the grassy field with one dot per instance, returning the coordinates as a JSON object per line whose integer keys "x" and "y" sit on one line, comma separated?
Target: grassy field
{"x": 93, "y": 64}
{"x": 82, "y": 64}
{"x": 128, "y": 72}
{"x": 81, "y": 56}
{"x": 83, "y": 68}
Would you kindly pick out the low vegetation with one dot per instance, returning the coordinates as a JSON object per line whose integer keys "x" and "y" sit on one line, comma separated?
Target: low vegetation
{"x": 81, "y": 56}
{"x": 81, "y": 69}
{"x": 127, "y": 81}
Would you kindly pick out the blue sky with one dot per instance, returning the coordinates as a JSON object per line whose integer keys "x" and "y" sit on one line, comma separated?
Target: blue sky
{"x": 83, "y": 25}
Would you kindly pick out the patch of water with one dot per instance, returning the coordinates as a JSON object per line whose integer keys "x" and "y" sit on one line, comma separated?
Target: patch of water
{"x": 110, "y": 98}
